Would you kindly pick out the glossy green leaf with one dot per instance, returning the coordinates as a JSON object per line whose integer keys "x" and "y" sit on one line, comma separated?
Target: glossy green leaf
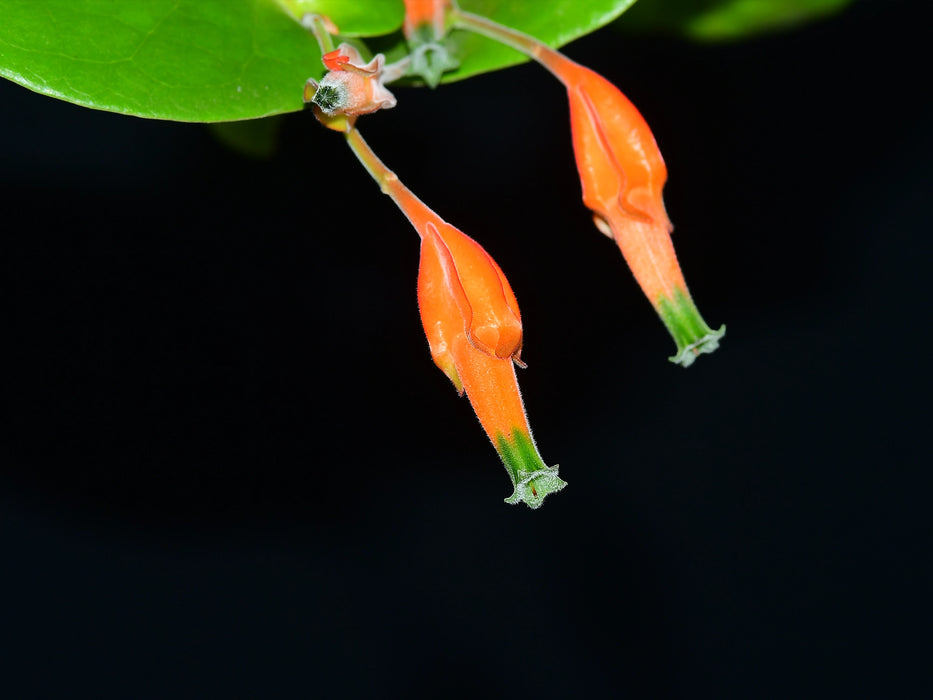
{"x": 555, "y": 22}
{"x": 353, "y": 17}
{"x": 187, "y": 60}
{"x": 228, "y": 60}
{"x": 718, "y": 20}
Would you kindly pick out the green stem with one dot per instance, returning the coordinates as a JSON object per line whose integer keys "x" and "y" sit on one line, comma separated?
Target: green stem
{"x": 413, "y": 208}
{"x": 315, "y": 24}
{"x": 378, "y": 170}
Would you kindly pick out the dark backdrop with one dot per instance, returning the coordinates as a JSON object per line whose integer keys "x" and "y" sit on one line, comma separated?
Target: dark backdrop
{"x": 230, "y": 469}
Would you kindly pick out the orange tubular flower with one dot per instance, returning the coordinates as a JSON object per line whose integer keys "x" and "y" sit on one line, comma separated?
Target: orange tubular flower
{"x": 623, "y": 174}
{"x": 471, "y": 319}
{"x": 431, "y": 13}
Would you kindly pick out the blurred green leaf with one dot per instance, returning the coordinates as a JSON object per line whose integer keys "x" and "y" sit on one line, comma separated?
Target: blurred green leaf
{"x": 720, "y": 20}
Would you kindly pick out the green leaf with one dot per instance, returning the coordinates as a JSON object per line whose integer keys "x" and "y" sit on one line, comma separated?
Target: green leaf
{"x": 353, "y": 17}
{"x": 719, "y": 20}
{"x": 229, "y": 60}
{"x": 555, "y": 22}
{"x": 186, "y": 60}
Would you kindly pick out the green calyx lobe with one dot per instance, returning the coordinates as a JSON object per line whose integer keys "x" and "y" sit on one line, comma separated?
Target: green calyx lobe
{"x": 687, "y": 328}
{"x": 532, "y": 478}
{"x": 430, "y": 61}
{"x": 430, "y": 56}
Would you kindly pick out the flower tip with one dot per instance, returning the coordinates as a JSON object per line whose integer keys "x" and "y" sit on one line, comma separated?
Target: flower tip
{"x": 532, "y": 479}
{"x": 534, "y": 488}
{"x": 705, "y": 345}
{"x": 687, "y": 327}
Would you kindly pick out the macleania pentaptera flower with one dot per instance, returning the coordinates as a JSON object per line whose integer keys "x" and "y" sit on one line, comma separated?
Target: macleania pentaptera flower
{"x": 474, "y": 331}
{"x": 622, "y": 174}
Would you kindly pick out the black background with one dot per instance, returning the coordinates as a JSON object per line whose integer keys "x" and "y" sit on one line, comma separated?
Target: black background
{"x": 229, "y": 467}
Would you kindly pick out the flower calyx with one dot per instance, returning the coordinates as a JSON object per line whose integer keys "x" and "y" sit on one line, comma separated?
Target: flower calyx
{"x": 352, "y": 87}
{"x": 427, "y": 24}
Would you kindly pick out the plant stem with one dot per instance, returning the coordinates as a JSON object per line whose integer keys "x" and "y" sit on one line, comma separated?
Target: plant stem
{"x": 315, "y": 24}
{"x": 406, "y": 200}
{"x": 524, "y": 43}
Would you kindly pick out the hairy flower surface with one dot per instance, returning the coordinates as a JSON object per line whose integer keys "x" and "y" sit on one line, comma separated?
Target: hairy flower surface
{"x": 474, "y": 330}
{"x": 623, "y": 175}
{"x": 472, "y": 323}
{"x": 352, "y": 87}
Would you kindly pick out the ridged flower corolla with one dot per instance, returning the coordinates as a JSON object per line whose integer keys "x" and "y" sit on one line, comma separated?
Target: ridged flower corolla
{"x": 473, "y": 326}
{"x": 622, "y": 174}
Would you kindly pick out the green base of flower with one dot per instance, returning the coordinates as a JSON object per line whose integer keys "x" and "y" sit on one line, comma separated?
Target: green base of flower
{"x": 430, "y": 57}
{"x": 687, "y": 328}
{"x": 532, "y": 478}
{"x": 535, "y": 487}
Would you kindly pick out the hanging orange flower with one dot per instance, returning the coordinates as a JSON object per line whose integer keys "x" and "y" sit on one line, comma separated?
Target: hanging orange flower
{"x": 471, "y": 319}
{"x": 622, "y": 173}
